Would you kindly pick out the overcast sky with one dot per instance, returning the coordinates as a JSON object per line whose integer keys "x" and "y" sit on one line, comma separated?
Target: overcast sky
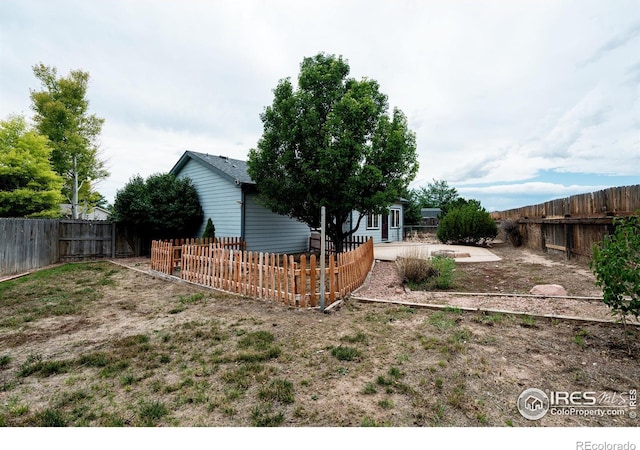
{"x": 513, "y": 102}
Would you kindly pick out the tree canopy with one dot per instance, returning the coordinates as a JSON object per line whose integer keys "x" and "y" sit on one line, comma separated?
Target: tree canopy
{"x": 331, "y": 142}
{"x": 438, "y": 194}
{"x": 62, "y": 115}
{"x": 28, "y": 185}
{"x": 160, "y": 207}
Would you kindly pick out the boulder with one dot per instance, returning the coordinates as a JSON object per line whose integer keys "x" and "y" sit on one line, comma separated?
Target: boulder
{"x": 549, "y": 290}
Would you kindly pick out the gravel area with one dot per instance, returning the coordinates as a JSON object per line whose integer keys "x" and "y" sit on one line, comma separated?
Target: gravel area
{"x": 385, "y": 284}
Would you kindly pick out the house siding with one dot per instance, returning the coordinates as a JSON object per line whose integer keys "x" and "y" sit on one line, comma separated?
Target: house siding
{"x": 265, "y": 231}
{"x": 220, "y": 200}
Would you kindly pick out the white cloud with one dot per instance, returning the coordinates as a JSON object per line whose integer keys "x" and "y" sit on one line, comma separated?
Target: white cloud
{"x": 497, "y": 92}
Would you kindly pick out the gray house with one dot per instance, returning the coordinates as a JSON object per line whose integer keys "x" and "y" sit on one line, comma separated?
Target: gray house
{"x": 229, "y": 197}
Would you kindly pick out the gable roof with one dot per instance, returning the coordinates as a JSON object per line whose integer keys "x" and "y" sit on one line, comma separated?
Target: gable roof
{"x": 235, "y": 170}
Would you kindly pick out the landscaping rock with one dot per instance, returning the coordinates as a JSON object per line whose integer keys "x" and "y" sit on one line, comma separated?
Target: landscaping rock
{"x": 550, "y": 290}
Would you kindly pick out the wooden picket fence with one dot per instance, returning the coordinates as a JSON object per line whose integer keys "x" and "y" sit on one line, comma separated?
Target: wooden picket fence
{"x": 274, "y": 277}
{"x": 166, "y": 256}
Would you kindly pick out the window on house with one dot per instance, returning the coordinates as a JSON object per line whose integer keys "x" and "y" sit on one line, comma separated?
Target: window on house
{"x": 373, "y": 221}
{"x": 395, "y": 218}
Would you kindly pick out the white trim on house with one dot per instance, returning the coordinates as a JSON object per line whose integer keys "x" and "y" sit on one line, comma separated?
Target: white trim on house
{"x": 394, "y": 218}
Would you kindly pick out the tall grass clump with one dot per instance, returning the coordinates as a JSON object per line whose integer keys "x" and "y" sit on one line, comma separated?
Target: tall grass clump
{"x": 421, "y": 272}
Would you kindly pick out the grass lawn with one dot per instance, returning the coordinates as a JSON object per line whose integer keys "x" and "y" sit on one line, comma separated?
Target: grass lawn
{"x": 95, "y": 344}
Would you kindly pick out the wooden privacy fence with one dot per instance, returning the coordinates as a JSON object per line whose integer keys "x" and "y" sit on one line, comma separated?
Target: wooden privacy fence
{"x": 274, "y": 277}
{"x": 572, "y": 225}
{"x": 27, "y": 244}
{"x": 166, "y": 256}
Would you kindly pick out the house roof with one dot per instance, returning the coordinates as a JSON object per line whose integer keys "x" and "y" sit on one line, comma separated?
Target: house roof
{"x": 235, "y": 170}
{"x": 430, "y": 212}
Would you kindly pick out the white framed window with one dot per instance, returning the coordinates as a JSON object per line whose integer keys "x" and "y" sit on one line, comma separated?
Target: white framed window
{"x": 395, "y": 218}
{"x": 373, "y": 221}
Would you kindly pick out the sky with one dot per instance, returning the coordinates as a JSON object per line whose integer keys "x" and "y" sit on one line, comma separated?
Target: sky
{"x": 513, "y": 103}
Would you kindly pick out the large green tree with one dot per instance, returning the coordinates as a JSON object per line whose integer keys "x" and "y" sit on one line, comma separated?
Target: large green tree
{"x": 62, "y": 114}
{"x": 438, "y": 194}
{"x": 331, "y": 142}
{"x": 28, "y": 185}
{"x": 160, "y": 207}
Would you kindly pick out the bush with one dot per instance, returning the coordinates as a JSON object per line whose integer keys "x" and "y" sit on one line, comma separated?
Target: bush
{"x": 469, "y": 224}
{"x": 616, "y": 263}
{"x": 209, "y": 230}
{"x": 512, "y": 231}
{"x": 421, "y": 272}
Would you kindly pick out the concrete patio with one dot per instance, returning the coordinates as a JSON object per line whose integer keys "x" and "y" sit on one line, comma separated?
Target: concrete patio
{"x": 461, "y": 253}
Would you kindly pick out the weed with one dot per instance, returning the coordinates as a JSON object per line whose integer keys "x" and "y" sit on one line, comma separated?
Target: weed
{"x": 369, "y": 422}
{"x": 259, "y": 346}
{"x": 258, "y": 356}
{"x": 35, "y": 365}
{"x": 151, "y": 412}
{"x": 369, "y": 389}
{"x": 98, "y": 359}
{"x": 194, "y": 298}
{"x": 50, "y": 418}
{"x": 456, "y": 397}
{"x": 394, "y": 372}
{"x": 357, "y": 338}
{"x": 128, "y": 379}
{"x": 278, "y": 390}
{"x": 345, "y": 353}
{"x": 261, "y": 416}
{"x": 258, "y": 340}
{"x": 441, "y": 321}
{"x": 508, "y": 422}
{"x": 242, "y": 376}
{"x": 229, "y": 411}
{"x": 528, "y": 321}
{"x": 5, "y": 360}
{"x": 385, "y": 403}
{"x": 482, "y": 418}
{"x": 488, "y": 340}
{"x": 489, "y": 319}
{"x": 578, "y": 338}
{"x": 439, "y": 382}
{"x": 461, "y": 335}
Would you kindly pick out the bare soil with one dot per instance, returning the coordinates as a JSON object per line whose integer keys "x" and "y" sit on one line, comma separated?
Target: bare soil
{"x": 144, "y": 351}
